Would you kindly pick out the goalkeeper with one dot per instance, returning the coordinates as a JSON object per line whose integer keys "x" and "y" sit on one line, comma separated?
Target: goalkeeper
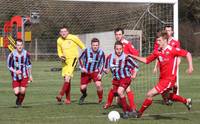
{"x": 67, "y": 48}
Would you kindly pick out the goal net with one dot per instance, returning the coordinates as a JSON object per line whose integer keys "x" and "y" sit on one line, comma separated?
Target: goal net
{"x": 94, "y": 18}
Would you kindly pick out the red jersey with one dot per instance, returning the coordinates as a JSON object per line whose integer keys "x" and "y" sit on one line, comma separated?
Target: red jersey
{"x": 167, "y": 59}
{"x": 129, "y": 48}
{"x": 173, "y": 42}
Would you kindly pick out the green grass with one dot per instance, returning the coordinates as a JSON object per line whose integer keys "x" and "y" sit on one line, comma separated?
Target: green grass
{"x": 40, "y": 105}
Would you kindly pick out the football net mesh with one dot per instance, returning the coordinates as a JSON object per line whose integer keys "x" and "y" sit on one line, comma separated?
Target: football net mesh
{"x": 90, "y": 17}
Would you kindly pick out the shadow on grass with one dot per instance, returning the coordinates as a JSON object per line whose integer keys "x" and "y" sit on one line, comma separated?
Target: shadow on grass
{"x": 159, "y": 117}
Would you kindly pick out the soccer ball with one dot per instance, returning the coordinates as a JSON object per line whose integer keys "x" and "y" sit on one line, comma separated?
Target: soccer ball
{"x": 113, "y": 116}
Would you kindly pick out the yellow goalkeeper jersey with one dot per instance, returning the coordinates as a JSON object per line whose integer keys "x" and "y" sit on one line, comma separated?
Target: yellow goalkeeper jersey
{"x": 68, "y": 47}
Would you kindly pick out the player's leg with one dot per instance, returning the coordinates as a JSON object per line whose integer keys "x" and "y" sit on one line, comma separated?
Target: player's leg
{"x": 16, "y": 89}
{"x": 83, "y": 90}
{"x": 22, "y": 95}
{"x": 99, "y": 88}
{"x": 130, "y": 95}
{"x": 148, "y": 101}
{"x": 63, "y": 90}
{"x": 68, "y": 89}
{"x": 186, "y": 101}
{"x": 23, "y": 86}
{"x": 109, "y": 99}
{"x": 85, "y": 79}
{"x": 17, "y": 93}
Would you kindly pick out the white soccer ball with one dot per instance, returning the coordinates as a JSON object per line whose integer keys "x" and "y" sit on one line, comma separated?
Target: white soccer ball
{"x": 113, "y": 116}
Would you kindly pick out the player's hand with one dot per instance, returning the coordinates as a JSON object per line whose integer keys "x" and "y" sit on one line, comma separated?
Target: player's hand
{"x": 18, "y": 72}
{"x": 30, "y": 79}
{"x": 83, "y": 70}
{"x": 133, "y": 75}
{"x": 106, "y": 70}
{"x": 189, "y": 70}
{"x": 99, "y": 76}
{"x": 155, "y": 70}
{"x": 63, "y": 59}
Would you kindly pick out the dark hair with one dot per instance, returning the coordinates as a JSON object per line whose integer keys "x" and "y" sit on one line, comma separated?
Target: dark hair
{"x": 64, "y": 26}
{"x": 94, "y": 40}
{"x": 118, "y": 43}
{"x": 163, "y": 34}
{"x": 119, "y": 29}
{"x": 168, "y": 26}
{"x": 19, "y": 40}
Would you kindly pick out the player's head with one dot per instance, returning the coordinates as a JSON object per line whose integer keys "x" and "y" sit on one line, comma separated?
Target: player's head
{"x": 169, "y": 30}
{"x": 118, "y": 48}
{"x": 95, "y": 44}
{"x": 162, "y": 39}
{"x": 119, "y": 34}
{"x": 64, "y": 31}
{"x": 19, "y": 45}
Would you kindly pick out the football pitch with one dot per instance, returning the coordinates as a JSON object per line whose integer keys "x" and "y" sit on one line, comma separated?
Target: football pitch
{"x": 40, "y": 106}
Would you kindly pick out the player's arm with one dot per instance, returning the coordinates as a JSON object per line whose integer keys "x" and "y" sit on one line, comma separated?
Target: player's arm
{"x": 10, "y": 62}
{"x": 107, "y": 65}
{"x": 79, "y": 42}
{"x": 190, "y": 65}
{"x": 134, "y": 66}
{"x": 29, "y": 67}
{"x": 102, "y": 65}
{"x": 185, "y": 53}
{"x": 155, "y": 67}
{"x": 60, "y": 52}
{"x": 147, "y": 59}
{"x": 80, "y": 60}
{"x": 132, "y": 50}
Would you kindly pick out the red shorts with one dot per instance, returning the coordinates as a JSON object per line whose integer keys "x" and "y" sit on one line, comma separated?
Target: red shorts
{"x": 124, "y": 82}
{"x": 87, "y": 77}
{"x": 164, "y": 85}
{"x": 20, "y": 83}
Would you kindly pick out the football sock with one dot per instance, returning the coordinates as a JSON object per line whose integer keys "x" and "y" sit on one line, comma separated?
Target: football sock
{"x": 164, "y": 97}
{"x": 21, "y": 98}
{"x": 63, "y": 89}
{"x": 175, "y": 89}
{"x": 147, "y": 102}
{"x": 124, "y": 104}
{"x": 175, "y": 97}
{"x": 67, "y": 91}
{"x": 130, "y": 96}
{"x": 110, "y": 97}
{"x": 84, "y": 92}
{"x": 100, "y": 94}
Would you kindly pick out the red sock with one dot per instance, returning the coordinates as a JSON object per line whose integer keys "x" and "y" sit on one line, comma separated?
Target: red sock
{"x": 175, "y": 97}
{"x": 130, "y": 95}
{"x": 175, "y": 89}
{"x": 21, "y": 97}
{"x": 67, "y": 91}
{"x": 147, "y": 102}
{"x": 100, "y": 94}
{"x": 63, "y": 89}
{"x": 110, "y": 97}
{"x": 164, "y": 97}
{"x": 125, "y": 106}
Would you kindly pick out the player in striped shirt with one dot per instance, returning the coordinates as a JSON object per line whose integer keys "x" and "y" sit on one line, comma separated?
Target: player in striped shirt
{"x": 91, "y": 64}
{"x": 19, "y": 64}
{"x": 128, "y": 48}
{"x": 166, "y": 58}
{"x": 121, "y": 67}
